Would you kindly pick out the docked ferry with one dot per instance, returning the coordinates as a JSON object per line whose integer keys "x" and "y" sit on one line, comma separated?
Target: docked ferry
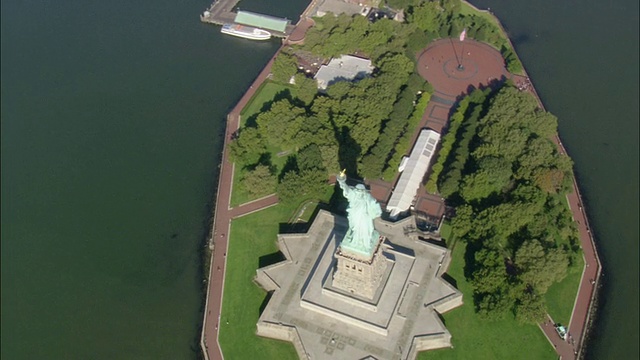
{"x": 247, "y": 32}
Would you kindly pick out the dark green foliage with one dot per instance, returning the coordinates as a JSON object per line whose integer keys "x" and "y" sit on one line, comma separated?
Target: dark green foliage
{"x": 513, "y": 63}
{"x": 248, "y": 147}
{"x": 530, "y": 308}
{"x": 510, "y": 178}
{"x": 493, "y": 174}
{"x": 402, "y": 4}
{"x": 284, "y": 67}
{"x": 454, "y": 166}
{"x": 299, "y": 186}
{"x": 310, "y": 158}
{"x": 539, "y": 267}
{"x": 308, "y": 88}
{"x": 281, "y": 123}
{"x": 375, "y": 161}
{"x": 445, "y": 148}
{"x": 344, "y": 34}
{"x": 259, "y": 181}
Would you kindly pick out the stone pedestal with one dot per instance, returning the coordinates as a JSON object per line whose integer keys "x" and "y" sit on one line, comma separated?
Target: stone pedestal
{"x": 358, "y": 275}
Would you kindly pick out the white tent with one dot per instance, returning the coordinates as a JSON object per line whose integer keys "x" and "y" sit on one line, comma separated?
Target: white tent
{"x": 414, "y": 170}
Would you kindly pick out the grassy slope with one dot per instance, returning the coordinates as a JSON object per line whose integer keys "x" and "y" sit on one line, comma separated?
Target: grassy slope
{"x": 474, "y": 338}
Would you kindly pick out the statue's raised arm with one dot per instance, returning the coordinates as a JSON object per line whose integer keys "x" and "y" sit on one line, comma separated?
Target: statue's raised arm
{"x": 363, "y": 208}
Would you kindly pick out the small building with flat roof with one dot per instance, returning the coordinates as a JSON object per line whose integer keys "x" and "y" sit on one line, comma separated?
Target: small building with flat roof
{"x": 414, "y": 170}
{"x": 346, "y": 67}
{"x": 261, "y": 21}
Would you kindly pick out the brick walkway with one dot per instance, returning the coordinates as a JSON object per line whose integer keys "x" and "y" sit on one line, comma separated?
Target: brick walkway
{"x": 222, "y": 225}
{"x": 438, "y": 64}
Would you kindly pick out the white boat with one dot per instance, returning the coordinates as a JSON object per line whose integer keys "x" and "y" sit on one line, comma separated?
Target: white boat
{"x": 247, "y": 32}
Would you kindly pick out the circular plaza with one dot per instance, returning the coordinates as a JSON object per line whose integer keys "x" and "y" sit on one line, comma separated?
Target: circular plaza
{"x": 454, "y": 67}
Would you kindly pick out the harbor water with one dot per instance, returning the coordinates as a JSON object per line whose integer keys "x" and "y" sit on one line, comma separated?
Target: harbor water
{"x": 112, "y": 117}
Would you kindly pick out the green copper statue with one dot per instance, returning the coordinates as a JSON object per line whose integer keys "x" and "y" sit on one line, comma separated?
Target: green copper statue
{"x": 362, "y": 237}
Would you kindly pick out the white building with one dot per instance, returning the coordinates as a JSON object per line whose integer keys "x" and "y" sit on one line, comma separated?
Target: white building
{"x": 413, "y": 171}
{"x": 346, "y": 67}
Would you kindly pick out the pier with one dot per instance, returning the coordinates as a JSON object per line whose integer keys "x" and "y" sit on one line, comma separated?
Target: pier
{"x": 221, "y": 12}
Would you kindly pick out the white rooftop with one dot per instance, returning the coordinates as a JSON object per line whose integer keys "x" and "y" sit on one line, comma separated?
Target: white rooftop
{"x": 414, "y": 170}
{"x": 346, "y": 67}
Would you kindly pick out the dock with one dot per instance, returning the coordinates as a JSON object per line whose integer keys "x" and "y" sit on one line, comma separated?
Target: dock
{"x": 221, "y": 12}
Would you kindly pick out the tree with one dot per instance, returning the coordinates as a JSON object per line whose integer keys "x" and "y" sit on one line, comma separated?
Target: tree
{"x": 247, "y": 148}
{"x": 284, "y": 67}
{"x": 310, "y": 158}
{"x": 308, "y": 88}
{"x": 298, "y": 186}
{"x": 428, "y": 16}
{"x": 259, "y": 181}
{"x": 491, "y": 274}
{"x": 281, "y": 123}
{"x": 530, "y": 308}
{"x": 494, "y": 174}
{"x": 538, "y": 152}
{"x": 462, "y": 223}
{"x": 549, "y": 179}
{"x": 538, "y": 267}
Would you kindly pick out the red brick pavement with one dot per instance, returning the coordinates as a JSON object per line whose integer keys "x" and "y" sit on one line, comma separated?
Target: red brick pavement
{"x": 438, "y": 64}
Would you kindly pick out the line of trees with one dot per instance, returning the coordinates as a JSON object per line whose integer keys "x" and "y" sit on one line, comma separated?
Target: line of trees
{"x": 509, "y": 183}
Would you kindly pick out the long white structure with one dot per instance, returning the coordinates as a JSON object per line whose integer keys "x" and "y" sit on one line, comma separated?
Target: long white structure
{"x": 415, "y": 168}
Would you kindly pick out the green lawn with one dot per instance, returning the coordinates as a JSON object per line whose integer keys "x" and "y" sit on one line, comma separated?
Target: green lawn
{"x": 252, "y": 237}
{"x": 562, "y": 295}
{"x": 252, "y": 243}
{"x": 474, "y": 338}
{"x": 265, "y": 94}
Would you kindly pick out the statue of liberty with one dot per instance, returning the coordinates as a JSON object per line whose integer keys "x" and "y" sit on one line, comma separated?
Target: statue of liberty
{"x": 362, "y": 237}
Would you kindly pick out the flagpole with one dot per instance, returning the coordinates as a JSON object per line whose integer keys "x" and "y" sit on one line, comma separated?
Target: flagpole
{"x": 463, "y": 35}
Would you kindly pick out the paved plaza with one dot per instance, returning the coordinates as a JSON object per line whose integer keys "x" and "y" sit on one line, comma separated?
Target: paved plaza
{"x": 324, "y": 322}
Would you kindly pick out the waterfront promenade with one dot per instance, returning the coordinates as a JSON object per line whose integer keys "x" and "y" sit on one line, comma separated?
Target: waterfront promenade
{"x": 223, "y": 214}
{"x": 483, "y": 66}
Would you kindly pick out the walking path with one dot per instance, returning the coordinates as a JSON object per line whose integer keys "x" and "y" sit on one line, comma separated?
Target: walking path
{"x": 439, "y": 64}
{"x": 223, "y": 213}
{"x": 222, "y": 225}
{"x": 482, "y": 66}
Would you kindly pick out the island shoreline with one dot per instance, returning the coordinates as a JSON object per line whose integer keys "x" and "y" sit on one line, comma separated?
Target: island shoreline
{"x": 581, "y": 318}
